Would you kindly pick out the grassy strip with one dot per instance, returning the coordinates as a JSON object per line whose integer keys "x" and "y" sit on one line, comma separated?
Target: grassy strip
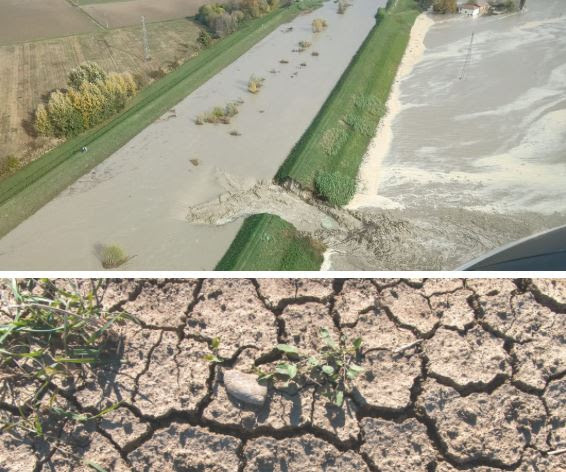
{"x": 337, "y": 139}
{"x": 266, "y": 242}
{"x": 25, "y": 192}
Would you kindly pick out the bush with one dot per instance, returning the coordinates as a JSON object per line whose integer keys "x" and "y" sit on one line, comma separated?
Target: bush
{"x": 342, "y": 6}
{"x": 334, "y": 187}
{"x": 255, "y": 84}
{"x": 304, "y": 44}
{"x": 112, "y": 256}
{"x": 219, "y": 114}
{"x": 319, "y": 25}
{"x": 332, "y": 140}
{"x": 204, "y": 39}
{"x": 8, "y": 165}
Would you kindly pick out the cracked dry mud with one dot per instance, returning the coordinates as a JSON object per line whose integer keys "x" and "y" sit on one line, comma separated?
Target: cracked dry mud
{"x": 458, "y": 375}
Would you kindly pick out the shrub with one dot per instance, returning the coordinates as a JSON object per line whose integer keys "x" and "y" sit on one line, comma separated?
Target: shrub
{"x": 336, "y": 188}
{"x": 304, "y": 44}
{"x": 283, "y": 61}
{"x": 370, "y": 104}
{"x": 219, "y": 114}
{"x": 8, "y": 165}
{"x": 342, "y": 6}
{"x": 235, "y": 132}
{"x": 315, "y": 53}
{"x": 319, "y": 25}
{"x": 332, "y": 140}
{"x": 255, "y": 83}
{"x": 204, "y": 39}
{"x": 112, "y": 256}
{"x": 359, "y": 123}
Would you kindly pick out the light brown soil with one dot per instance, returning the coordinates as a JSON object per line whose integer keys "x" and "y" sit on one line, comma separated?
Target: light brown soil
{"x": 458, "y": 375}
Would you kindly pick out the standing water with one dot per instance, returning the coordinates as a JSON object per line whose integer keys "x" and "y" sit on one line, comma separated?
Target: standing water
{"x": 480, "y": 134}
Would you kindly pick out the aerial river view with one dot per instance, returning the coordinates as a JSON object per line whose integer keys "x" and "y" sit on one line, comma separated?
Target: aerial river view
{"x": 476, "y": 158}
{"x": 139, "y": 197}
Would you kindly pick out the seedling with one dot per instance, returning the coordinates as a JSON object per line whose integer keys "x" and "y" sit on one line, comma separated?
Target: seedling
{"x": 333, "y": 369}
{"x": 61, "y": 333}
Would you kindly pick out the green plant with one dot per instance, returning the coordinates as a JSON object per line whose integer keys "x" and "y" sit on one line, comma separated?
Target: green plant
{"x": 318, "y": 25}
{"x": 359, "y": 123}
{"x": 112, "y": 256}
{"x": 283, "y": 61}
{"x": 204, "y": 39}
{"x": 52, "y": 333}
{"x": 235, "y": 132}
{"x": 315, "y": 53}
{"x": 333, "y": 369}
{"x": 338, "y": 189}
{"x": 219, "y": 114}
{"x": 305, "y": 44}
{"x": 8, "y": 165}
{"x": 333, "y": 139}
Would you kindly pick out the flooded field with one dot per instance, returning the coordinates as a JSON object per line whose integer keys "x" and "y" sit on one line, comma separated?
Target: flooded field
{"x": 126, "y": 13}
{"x": 139, "y": 197}
{"x": 35, "y": 19}
{"x": 480, "y": 133}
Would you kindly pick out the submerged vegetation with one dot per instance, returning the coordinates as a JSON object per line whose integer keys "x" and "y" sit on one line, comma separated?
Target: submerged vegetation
{"x": 255, "y": 83}
{"x": 217, "y": 115}
{"x": 112, "y": 256}
{"x": 318, "y": 25}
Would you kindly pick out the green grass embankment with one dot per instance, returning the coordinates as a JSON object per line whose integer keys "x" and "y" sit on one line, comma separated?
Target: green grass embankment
{"x": 336, "y": 140}
{"x": 276, "y": 243}
{"x": 25, "y": 192}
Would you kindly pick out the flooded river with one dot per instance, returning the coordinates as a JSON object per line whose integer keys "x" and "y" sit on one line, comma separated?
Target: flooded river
{"x": 139, "y": 197}
{"x": 478, "y": 150}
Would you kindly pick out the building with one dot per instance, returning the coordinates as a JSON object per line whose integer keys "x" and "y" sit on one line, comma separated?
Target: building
{"x": 474, "y": 8}
{"x": 470, "y": 9}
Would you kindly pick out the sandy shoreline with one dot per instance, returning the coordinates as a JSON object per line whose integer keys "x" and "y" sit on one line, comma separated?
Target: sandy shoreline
{"x": 368, "y": 176}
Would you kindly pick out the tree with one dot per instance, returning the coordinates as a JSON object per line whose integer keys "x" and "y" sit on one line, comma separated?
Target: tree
{"x": 42, "y": 123}
{"x": 86, "y": 72}
{"x": 445, "y": 6}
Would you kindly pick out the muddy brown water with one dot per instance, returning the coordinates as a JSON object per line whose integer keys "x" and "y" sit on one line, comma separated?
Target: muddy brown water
{"x": 138, "y": 198}
{"x": 478, "y": 156}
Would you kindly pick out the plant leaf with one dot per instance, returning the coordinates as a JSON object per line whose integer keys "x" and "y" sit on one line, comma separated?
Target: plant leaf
{"x": 212, "y": 358}
{"x": 328, "y": 369}
{"x": 313, "y": 361}
{"x": 339, "y": 399}
{"x": 357, "y": 343}
{"x": 215, "y": 343}
{"x": 290, "y": 370}
{"x": 95, "y": 466}
{"x": 327, "y": 338}
{"x": 287, "y": 349}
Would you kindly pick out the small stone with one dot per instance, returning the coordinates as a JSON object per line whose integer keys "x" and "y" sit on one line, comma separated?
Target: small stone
{"x": 244, "y": 387}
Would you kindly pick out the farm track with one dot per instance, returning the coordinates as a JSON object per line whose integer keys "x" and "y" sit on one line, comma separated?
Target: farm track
{"x": 459, "y": 375}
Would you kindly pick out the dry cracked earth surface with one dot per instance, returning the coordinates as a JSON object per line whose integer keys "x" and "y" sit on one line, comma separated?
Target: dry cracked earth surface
{"x": 458, "y": 375}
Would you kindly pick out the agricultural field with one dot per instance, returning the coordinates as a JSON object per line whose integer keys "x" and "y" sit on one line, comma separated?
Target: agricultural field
{"x": 30, "y": 70}
{"x": 37, "y": 19}
{"x": 442, "y": 375}
{"x": 114, "y": 14}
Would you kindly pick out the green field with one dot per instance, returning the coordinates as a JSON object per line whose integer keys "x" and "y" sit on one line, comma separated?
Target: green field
{"x": 367, "y": 80}
{"x": 278, "y": 245}
{"x": 29, "y": 189}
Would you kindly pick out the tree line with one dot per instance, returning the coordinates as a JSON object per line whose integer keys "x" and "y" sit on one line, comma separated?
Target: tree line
{"x": 225, "y": 18}
{"x": 92, "y": 96}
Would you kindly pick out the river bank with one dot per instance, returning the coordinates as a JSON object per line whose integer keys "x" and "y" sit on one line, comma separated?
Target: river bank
{"x": 368, "y": 177}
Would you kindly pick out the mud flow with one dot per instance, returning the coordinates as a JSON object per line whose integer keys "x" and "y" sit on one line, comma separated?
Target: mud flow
{"x": 457, "y": 375}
